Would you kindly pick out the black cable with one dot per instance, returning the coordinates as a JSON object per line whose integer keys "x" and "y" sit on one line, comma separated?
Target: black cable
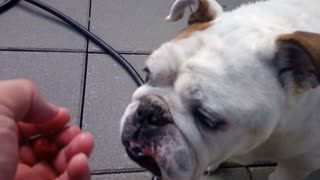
{"x": 116, "y": 56}
{"x": 7, "y": 5}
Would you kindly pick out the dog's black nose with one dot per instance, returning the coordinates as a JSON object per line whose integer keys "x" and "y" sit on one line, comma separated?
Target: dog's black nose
{"x": 152, "y": 111}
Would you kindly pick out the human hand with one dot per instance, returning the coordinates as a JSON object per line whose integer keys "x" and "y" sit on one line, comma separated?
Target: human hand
{"x": 24, "y": 114}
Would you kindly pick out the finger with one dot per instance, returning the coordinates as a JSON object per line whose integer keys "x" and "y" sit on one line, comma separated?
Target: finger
{"x": 78, "y": 168}
{"x": 28, "y": 130}
{"x": 27, "y": 156}
{"x": 55, "y": 125}
{"x": 67, "y": 135}
{"x": 43, "y": 170}
{"x": 47, "y": 148}
{"x": 82, "y": 143}
{"x": 37, "y": 172}
{"x": 20, "y": 100}
{"x": 23, "y": 171}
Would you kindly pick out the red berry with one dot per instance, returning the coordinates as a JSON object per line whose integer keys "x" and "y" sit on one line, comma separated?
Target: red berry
{"x": 44, "y": 149}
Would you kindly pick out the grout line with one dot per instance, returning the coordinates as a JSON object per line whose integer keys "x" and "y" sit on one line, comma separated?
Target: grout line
{"x": 134, "y": 170}
{"x": 258, "y": 164}
{"x": 9, "y": 49}
{"x": 248, "y": 166}
{"x": 42, "y": 50}
{"x": 262, "y": 165}
{"x": 249, "y": 173}
{"x": 85, "y": 70}
{"x": 83, "y": 91}
{"x": 117, "y": 171}
{"x": 190, "y": 8}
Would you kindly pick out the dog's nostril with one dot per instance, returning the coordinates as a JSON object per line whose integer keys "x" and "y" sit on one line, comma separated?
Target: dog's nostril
{"x": 138, "y": 151}
{"x": 153, "y": 120}
{"x": 139, "y": 113}
{"x": 151, "y": 117}
{"x": 158, "y": 120}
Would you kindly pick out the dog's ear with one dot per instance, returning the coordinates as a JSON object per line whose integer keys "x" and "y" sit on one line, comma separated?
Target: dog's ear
{"x": 207, "y": 10}
{"x": 298, "y": 60}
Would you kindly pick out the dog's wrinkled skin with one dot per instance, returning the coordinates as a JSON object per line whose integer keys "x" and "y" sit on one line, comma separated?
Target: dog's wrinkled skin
{"x": 239, "y": 85}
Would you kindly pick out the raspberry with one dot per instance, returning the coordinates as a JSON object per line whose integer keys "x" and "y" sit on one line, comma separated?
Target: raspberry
{"x": 44, "y": 149}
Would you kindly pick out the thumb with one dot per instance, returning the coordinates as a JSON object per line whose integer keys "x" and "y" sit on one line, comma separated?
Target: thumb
{"x": 21, "y": 101}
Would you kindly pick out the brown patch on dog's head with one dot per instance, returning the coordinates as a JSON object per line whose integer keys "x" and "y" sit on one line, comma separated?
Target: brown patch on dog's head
{"x": 192, "y": 28}
{"x": 310, "y": 42}
{"x": 203, "y": 14}
{"x": 199, "y": 20}
{"x": 172, "y": 78}
{"x": 298, "y": 62}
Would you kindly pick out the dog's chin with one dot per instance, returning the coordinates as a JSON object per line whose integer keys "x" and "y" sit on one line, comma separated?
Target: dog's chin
{"x": 179, "y": 165}
{"x": 165, "y": 162}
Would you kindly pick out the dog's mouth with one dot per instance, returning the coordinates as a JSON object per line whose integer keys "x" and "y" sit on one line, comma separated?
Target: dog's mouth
{"x": 166, "y": 160}
{"x": 143, "y": 155}
{"x": 153, "y": 141}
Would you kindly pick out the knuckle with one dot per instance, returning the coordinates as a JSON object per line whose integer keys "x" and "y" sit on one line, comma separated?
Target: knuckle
{"x": 22, "y": 85}
{"x": 26, "y": 84}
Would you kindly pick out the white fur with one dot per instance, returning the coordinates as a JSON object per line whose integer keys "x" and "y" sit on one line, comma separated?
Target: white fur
{"x": 216, "y": 7}
{"x": 228, "y": 68}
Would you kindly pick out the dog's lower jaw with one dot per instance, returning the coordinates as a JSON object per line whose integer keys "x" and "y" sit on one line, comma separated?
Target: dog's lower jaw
{"x": 178, "y": 170}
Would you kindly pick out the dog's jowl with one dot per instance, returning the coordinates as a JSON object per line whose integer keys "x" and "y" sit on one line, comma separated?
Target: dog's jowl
{"x": 240, "y": 86}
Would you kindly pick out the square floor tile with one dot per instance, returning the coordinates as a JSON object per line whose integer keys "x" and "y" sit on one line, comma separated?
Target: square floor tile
{"x": 314, "y": 176}
{"x": 57, "y": 75}
{"x": 134, "y": 25}
{"x": 261, "y": 173}
{"x": 108, "y": 92}
{"x": 26, "y": 26}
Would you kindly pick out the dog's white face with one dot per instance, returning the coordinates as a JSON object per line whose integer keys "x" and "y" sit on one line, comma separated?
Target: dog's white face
{"x": 193, "y": 104}
{"x": 206, "y": 99}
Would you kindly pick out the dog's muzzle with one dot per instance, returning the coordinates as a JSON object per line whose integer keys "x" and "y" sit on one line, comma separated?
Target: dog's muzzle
{"x": 153, "y": 141}
{"x": 151, "y": 114}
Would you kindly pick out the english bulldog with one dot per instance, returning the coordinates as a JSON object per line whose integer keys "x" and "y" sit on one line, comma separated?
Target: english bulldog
{"x": 241, "y": 85}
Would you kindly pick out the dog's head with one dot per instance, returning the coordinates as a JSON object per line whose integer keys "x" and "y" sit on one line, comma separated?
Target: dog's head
{"x": 211, "y": 95}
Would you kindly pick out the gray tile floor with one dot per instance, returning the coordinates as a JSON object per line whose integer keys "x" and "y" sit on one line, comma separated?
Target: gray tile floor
{"x": 72, "y": 72}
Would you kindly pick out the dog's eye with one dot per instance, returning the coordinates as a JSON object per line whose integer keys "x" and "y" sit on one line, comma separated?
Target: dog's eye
{"x": 209, "y": 119}
{"x": 147, "y": 71}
